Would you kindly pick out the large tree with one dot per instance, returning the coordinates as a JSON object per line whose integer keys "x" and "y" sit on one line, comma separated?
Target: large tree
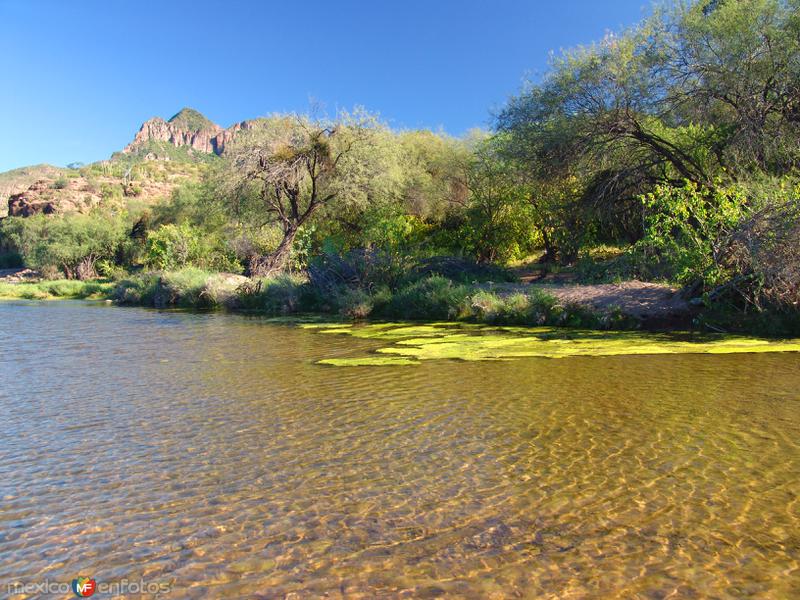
{"x": 699, "y": 91}
{"x": 288, "y": 168}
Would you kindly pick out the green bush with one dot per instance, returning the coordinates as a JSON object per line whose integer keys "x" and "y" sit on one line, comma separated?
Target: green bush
{"x": 282, "y": 295}
{"x": 484, "y": 306}
{"x": 181, "y": 288}
{"x": 185, "y": 288}
{"x": 355, "y": 303}
{"x": 172, "y": 247}
{"x": 139, "y": 290}
{"x": 687, "y": 230}
{"x": 71, "y": 243}
{"x": 431, "y": 298}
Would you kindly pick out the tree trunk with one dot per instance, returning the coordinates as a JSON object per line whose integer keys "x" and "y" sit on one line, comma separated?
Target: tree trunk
{"x": 85, "y": 269}
{"x": 265, "y": 266}
{"x": 549, "y": 251}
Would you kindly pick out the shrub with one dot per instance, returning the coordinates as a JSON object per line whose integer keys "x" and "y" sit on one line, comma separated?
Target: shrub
{"x": 764, "y": 254}
{"x": 360, "y": 268}
{"x": 108, "y": 268}
{"x": 517, "y": 310}
{"x": 285, "y": 294}
{"x": 182, "y": 288}
{"x": 687, "y": 229}
{"x": 173, "y": 247}
{"x": 431, "y": 298}
{"x": 485, "y": 306}
{"x": 354, "y": 303}
{"x": 71, "y": 243}
{"x": 136, "y": 290}
{"x": 186, "y": 288}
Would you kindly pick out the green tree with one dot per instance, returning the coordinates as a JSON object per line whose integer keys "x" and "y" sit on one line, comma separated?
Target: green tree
{"x": 498, "y": 219}
{"x": 289, "y": 169}
{"x": 699, "y": 92}
{"x": 72, "y": 243}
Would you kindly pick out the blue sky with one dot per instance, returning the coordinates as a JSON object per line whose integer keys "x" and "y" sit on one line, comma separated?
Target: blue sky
{"x": 79, "y": 77}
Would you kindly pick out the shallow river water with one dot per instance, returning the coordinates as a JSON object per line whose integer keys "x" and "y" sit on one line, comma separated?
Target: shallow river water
{"x": 212, "y": 454}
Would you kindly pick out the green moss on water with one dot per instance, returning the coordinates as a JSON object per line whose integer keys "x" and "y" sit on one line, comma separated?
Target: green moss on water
{"x": 368, "y": 361}
{"x": 412, "y": 344}
{"x": 325, "y": 325}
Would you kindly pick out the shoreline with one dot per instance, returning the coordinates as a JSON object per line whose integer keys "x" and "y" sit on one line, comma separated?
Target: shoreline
{"x": 641, "y": 306}
{"x": 629, "y": 305}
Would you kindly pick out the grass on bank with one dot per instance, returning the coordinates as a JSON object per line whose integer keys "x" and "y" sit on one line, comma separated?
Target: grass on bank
{"x": 430, "y": 298}
{"x": 58, "y": 289}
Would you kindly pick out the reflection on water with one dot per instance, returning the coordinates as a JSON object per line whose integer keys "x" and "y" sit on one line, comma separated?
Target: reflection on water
{"x": 212, "y": 453}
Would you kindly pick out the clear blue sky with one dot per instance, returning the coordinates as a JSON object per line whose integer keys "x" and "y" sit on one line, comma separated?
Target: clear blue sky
{"x": 79, "y": 77}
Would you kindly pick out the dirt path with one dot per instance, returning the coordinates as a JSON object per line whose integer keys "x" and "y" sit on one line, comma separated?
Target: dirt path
{"x": 648, "y": 302}
{"x": 636, "y": 298}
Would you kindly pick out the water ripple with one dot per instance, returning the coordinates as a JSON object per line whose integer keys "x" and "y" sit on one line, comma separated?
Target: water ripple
{"x": 209, "y": 452}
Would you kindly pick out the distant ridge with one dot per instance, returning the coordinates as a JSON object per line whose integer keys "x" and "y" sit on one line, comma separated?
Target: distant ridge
{"x": 188, "y": 129}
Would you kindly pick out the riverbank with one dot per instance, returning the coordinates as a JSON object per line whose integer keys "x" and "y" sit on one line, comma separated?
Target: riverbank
{"x": 628, "y": 305}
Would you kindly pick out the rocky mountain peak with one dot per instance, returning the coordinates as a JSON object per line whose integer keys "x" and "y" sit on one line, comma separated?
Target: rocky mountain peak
{"x": 188, "y": 128}
{"x": 192, "y": 120}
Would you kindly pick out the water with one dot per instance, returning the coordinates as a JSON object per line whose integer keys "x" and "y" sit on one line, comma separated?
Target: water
{"x": 210, "y": 453}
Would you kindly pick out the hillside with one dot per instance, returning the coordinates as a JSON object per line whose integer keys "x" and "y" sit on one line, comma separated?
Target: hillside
{"x": 19, "y": 180}
{"x": 105, "y": 183}
{"x": 162, "y": 155}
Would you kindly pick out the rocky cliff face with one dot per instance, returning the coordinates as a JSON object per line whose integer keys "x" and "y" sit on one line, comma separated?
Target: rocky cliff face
{"x": 225, "y": 137}
{"x": 189, "y": 129}
{"x": 159, "y": 130}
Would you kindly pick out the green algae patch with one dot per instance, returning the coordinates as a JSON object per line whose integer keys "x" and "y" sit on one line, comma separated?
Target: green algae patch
{"x": 411, "y": 344}
{"x": 383, "y": 330}
{"x": 368, "y": 361}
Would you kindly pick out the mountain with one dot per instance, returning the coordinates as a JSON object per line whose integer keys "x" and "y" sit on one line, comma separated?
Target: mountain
{"x": 189, "y": 118}
{"x": 162, "y": 156}
{"x": 189, "y": 130}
